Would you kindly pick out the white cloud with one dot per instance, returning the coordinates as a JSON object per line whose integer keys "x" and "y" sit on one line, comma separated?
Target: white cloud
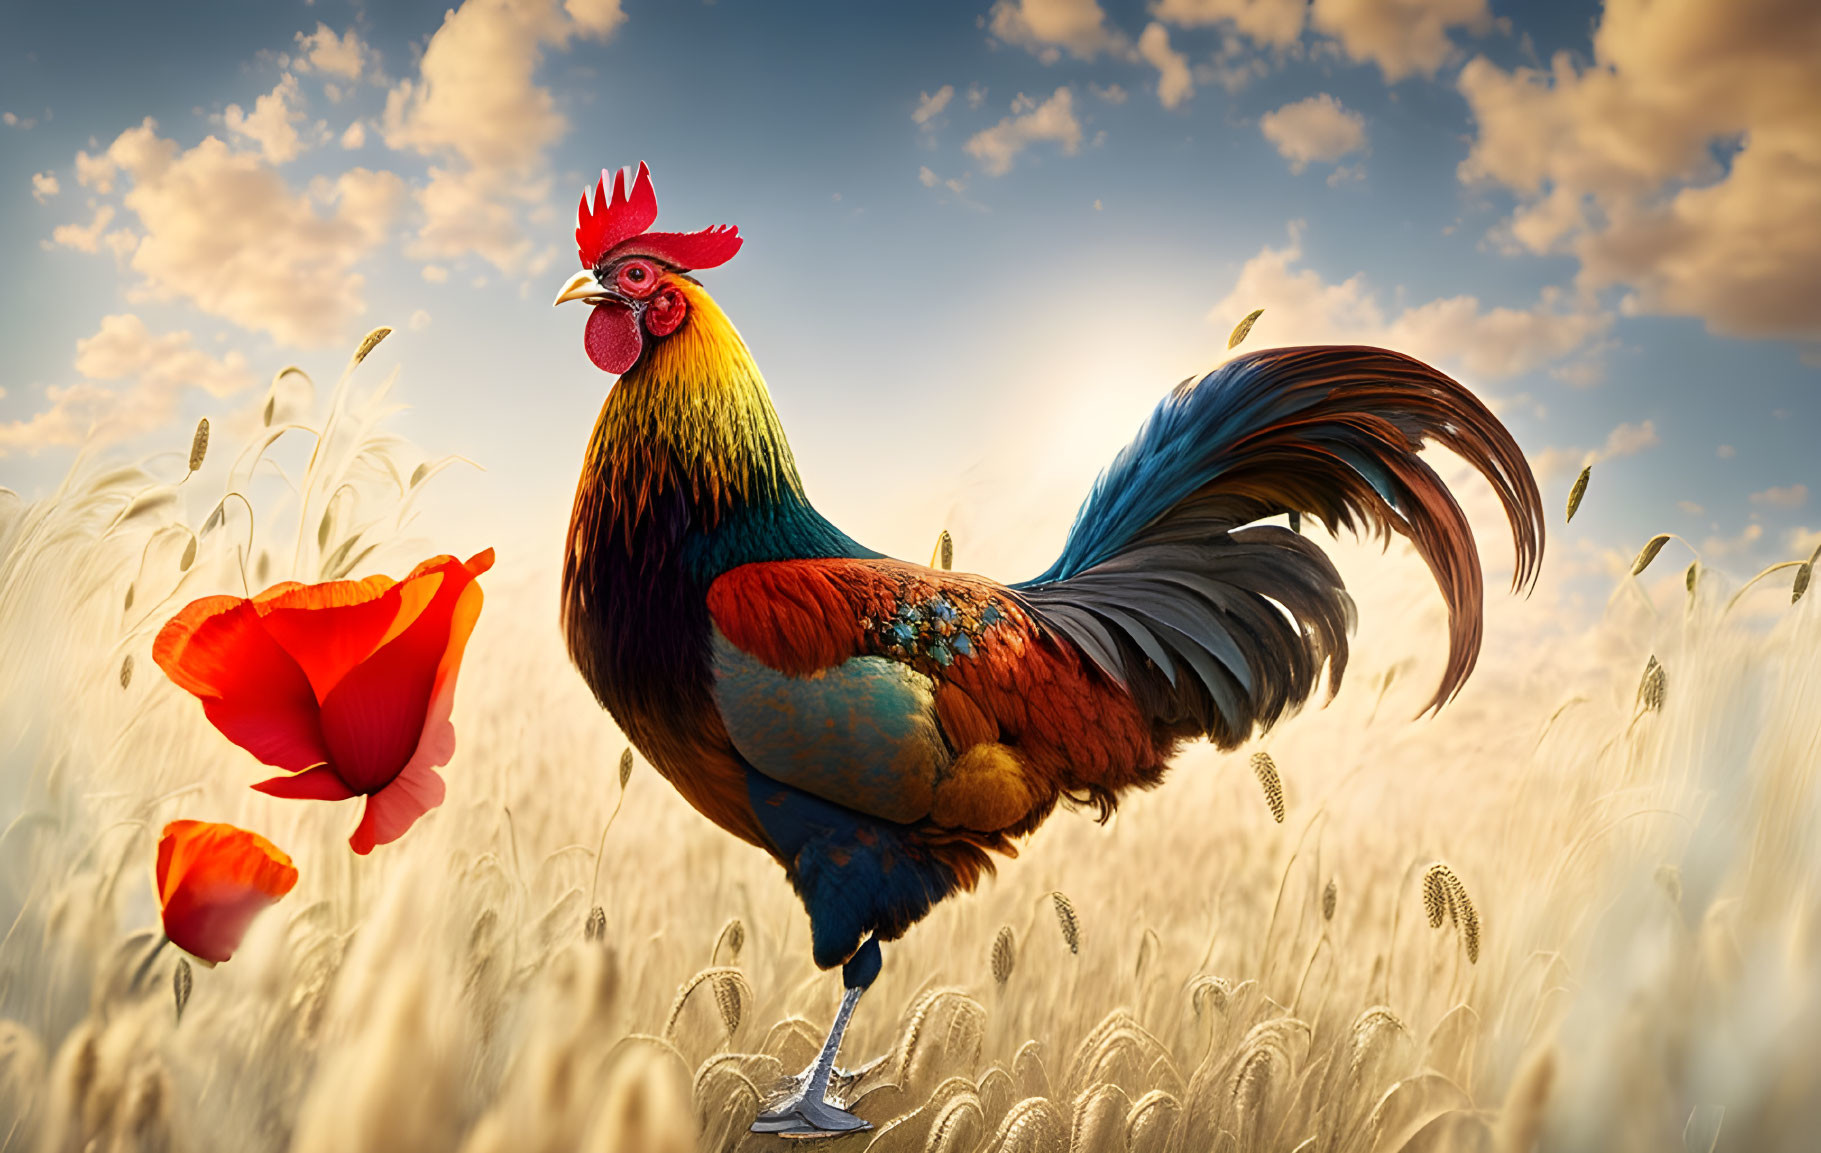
{"x": 1487, "y": 344}
{"x": 1626, "y": 439}
{"x": 1112, "y": 93}
{"x": 1047, "y": 27}
{"x": 1683, "y": 163}
{"x": 1403, "y": 37}
{"x": 272, "y": 123}
{"x": 420, "y": 320}
{"x": 1716, "y": 547}
{"x": 1275, "y": 23}
{"x": 345, "y": 56}
{"x": 354, "y": 137}
{"x": 84, "y": 237}
{"x": 476, "y": 109}
{"x": 223, "y": 231}
{"x": 1725, "y": 452}
{"x": 156, "y": 369}
{"x": 1782, "y": 496}
{"x": 1174, "y": 82}
{"x": 1317, "y": 129}
{"x": 930, "y": 105}
{"x": 997, "y": 147}
{"x": 976, "y": 96}
{"x": 96, "y": 172}
{"x": 1629, "y": 440}
{"x": 435, "y": 274}
{"x": 44, "y": 186}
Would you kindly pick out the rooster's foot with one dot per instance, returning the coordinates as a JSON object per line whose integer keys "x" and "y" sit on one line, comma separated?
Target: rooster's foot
{"x": 802, "y": 1116}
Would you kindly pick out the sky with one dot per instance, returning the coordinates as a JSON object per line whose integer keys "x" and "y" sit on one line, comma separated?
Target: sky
{"x": 983, "y": 237}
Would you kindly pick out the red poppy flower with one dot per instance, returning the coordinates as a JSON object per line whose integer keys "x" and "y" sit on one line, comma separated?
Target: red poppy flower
{"x": 346, "y": 685}
{"x": 213, "y": 880}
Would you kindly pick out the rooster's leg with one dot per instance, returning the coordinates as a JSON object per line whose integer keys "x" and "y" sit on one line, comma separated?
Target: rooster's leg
{"x": 806, "y": 1110}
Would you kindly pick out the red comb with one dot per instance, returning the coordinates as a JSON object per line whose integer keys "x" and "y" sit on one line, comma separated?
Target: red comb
{"x": 620, "y": 223}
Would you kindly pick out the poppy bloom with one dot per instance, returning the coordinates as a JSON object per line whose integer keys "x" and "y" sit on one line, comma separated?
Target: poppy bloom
{"x": 346, "y": 685}
{"x": 213, "y": 880}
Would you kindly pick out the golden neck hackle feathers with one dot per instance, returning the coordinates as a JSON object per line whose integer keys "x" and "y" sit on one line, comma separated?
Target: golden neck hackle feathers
{"x": 694, "y": 412}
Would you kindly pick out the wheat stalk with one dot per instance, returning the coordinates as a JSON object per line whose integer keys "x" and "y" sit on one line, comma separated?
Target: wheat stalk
{"x": 181, "y": 981}
{"x": 126, "y": 671}
{"x": 944, "y": 556}
{"x": 1067, "y": 921}
{"x": 1244, "y": 328}
{"x": 1653, "y": 686}
{"x": 1578, "y": 491}
{"x": 199, "y": 447}
{"x": 733, "y": 935}
{"x": 1004, "y": 955}
{"x": 1445, "y": 896}
{"x": 1649, "y": 552}
{"x": 1266, "y": 770}
{"x": 369, "y": 343}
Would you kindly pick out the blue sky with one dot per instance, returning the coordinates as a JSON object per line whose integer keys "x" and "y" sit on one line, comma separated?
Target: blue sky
{"x": 983, "y": 238}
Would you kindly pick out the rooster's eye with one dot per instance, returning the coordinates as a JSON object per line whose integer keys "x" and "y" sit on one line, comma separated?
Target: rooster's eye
{"x": 636, "y": 275}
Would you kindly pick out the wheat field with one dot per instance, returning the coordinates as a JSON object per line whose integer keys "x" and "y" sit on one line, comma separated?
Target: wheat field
{"x": 1576, "y": 910}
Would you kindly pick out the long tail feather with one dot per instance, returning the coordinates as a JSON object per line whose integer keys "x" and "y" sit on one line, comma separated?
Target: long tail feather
{"x": 1218, "y": 628}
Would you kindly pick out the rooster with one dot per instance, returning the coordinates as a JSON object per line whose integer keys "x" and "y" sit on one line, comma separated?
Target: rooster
{"x": 881, "y": 728}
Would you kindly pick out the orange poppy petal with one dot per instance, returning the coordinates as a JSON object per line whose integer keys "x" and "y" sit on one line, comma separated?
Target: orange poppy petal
{"x": 437, "y": 745}
{"x": 250, "y": 688}
{"x": 394, "y": 809}
{"x": 374, "y": 720}
{"x": 330, "y": 628}
{"x": 213, "y": 879}
{"x": 318, "y": 784}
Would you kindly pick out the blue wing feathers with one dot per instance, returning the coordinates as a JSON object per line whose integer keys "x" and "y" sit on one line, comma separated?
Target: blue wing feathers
{"x": 1165, "y": 567}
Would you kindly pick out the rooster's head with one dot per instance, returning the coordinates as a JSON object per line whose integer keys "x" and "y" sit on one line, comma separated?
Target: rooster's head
{"x": 635, "y": 279}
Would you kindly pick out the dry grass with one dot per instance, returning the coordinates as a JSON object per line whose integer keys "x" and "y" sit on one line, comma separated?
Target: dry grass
{"x": 1647, "y": 960}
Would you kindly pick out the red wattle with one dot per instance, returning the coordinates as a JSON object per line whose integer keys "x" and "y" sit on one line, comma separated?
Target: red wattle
{"x": 613, "y": 339}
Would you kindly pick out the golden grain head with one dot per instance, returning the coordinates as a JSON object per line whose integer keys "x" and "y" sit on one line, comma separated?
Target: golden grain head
{"x": 1649, "y": 552}
{"x": 1692, "y": 576}
{"x": 1460, "y": 907}
{"x": 1330, "y": 896}
{"x": 733, "y": 938}
{"x": 126, "y": 671}
{"x": 1004, "y": 955}
{"x": 127, "y": 605}
{"x": 265, "y": 418}
{"x": 1067, "y": 921}
{"x": 1435, "y": 895}
{"x": 189, "y": 556}
{"x": 595, "y": 927}
{"x": 1669, "y": 879}
{"x": 419, "y": 473}
{"x": 371, "y": 342}
{"x": 1266, "y": 770}
{"x": 181, "y": 983}
{"x": 1209, "y": 992}
{"x": 1244, "y": 328}
{"x": 727, "y": 999}
{"x": 1653, "y": 686}
{"x": 625, "y": 766}
{"x": 944, "y": 556}
{"x": 1578, "y": 491}
{"x": 322, "y": 527}
{"x": 199, "y": 444}
{"x": 1804, "y": 573}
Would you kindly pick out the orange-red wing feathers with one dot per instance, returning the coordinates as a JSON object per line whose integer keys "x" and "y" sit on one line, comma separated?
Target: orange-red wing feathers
{"x": 1013, "y": 681}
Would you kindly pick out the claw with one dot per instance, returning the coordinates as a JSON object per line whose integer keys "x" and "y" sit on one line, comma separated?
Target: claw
{"x": 802, "y": 1116}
